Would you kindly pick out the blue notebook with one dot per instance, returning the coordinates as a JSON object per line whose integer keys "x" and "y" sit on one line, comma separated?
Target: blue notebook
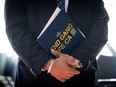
{"x": 61, "y": 34}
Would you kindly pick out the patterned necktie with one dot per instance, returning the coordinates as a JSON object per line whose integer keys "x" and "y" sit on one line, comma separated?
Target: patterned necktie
{"x": 61, "y": 4}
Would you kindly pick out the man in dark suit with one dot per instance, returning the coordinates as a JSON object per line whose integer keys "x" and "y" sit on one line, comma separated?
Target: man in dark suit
{"x": 25, "y": 19}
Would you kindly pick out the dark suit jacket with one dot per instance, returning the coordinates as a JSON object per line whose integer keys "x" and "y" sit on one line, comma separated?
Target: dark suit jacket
{"x": 26, "y": 18}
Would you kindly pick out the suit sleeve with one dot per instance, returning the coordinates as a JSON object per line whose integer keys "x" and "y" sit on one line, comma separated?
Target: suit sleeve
{"x": 97, "y": 35}
{"x": 21, "y": 39}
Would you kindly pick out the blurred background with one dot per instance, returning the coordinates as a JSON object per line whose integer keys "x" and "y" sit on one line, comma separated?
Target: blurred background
{"x": 8, "y": 58}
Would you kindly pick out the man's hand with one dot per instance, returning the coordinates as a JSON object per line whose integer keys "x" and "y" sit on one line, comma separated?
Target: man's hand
{"x": 62, "y": 68}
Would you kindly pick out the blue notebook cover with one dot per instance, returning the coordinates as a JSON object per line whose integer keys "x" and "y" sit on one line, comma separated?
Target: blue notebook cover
{"x": 61, "y": 35}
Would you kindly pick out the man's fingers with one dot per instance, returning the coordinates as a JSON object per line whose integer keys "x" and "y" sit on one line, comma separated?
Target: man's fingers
{"x": 61, "y": 78}
{"x": 56, "y": 53}
{"x": 73, "y": 71}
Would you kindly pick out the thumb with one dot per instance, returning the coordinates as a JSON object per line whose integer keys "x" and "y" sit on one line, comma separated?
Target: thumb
{"x": 71, "y": 63}
{"x": 75, "y": 64}
{"x": 55, "y": 53}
